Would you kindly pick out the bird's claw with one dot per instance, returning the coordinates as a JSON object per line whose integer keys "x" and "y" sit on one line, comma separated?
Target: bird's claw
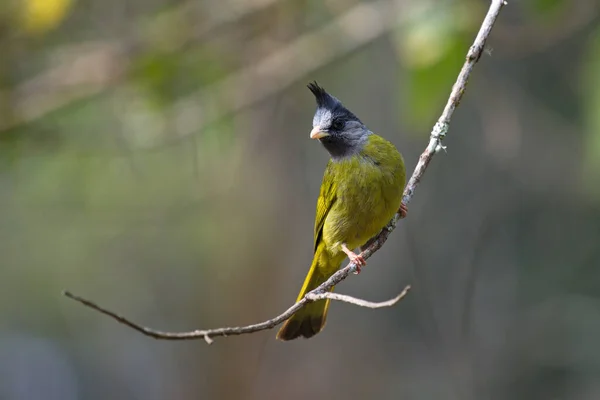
{"x": 357, "y": 259}
{"x": 403, "y": 210}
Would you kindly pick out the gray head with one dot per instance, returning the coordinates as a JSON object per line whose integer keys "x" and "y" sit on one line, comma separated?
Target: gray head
{"x": 340, "y": 131}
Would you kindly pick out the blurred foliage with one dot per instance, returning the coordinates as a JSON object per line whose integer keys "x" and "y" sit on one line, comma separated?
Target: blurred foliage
{"x": 591, "y": 89}
{"x": 169, "y": 75}
{"x": 431, "y": 48}
{"x": 549, "y": 9}
{"x": 39, "y": 16}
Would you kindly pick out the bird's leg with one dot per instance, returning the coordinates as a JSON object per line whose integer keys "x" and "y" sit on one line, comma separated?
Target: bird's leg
{"x": 357, "y": 259}
{"x": 403, "y": 210}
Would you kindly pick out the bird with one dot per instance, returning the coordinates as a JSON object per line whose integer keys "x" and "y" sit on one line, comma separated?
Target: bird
{"x": 360, "y": 193}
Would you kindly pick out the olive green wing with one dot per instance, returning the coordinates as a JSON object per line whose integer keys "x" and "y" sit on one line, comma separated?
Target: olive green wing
{"x": 327, "y": 198}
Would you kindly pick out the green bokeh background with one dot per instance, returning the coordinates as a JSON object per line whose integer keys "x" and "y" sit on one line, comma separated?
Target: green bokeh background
{"x": 134, "y": 173}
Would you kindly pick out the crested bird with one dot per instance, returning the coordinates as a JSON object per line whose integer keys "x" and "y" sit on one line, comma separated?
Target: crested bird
{"x": 360, "y": 193}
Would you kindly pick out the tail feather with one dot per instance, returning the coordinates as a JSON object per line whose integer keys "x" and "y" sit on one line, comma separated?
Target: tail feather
{"x": 310, "y": 319}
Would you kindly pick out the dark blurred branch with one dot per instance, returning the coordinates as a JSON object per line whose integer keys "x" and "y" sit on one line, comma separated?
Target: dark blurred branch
{"x": 435, "y": 145}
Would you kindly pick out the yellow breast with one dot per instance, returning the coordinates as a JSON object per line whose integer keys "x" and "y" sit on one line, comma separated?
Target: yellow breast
{"x": 368, "y": 191}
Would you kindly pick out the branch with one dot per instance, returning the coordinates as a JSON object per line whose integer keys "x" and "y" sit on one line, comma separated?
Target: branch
{"x": 238, "y": 330}
{"x": 358, "y": 302}
{"x": 322, "y": 292}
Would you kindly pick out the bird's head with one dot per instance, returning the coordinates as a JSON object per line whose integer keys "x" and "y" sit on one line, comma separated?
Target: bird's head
{"x": 336, "y": 127}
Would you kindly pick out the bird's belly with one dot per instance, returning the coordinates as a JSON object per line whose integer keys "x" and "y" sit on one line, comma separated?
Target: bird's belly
{"x": 363, "y": 207}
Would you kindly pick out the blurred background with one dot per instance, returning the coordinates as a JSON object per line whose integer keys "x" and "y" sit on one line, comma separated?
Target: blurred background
{"x": 154, "y": 157}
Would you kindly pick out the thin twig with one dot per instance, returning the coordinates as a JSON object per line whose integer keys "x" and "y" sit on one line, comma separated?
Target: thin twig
{"x": 435, "y": 145}
{"x": 359, "y": 302}
{"x": 238, "y": 330}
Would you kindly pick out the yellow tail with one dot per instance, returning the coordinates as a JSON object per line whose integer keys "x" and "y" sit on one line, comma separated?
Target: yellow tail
{"x": 310, "y": 319}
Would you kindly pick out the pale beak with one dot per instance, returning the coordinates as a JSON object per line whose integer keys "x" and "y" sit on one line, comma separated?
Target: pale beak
{"x": 317, "y": 133}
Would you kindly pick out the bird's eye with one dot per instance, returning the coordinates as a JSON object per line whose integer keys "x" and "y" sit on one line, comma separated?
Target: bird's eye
{"x": 337, "y": 125}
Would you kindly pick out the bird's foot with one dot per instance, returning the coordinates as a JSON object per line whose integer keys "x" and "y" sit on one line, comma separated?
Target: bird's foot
{"x": 357, "y": 259}
{"x": 403, "y": 210}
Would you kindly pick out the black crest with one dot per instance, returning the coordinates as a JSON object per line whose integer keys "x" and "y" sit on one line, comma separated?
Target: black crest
{"x": 323, "y": 98}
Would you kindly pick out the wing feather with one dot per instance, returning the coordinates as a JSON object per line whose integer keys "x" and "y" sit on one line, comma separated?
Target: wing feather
{"x": 325, "y": 202}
